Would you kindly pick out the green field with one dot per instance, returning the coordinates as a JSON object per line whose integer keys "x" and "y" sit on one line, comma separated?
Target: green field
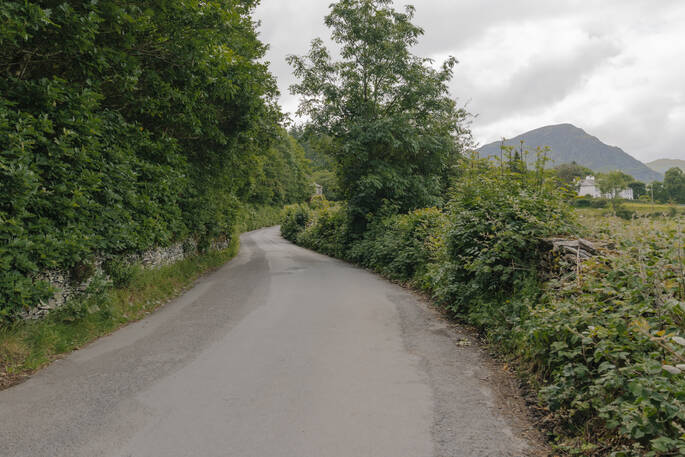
{"x": 639, "y": 208}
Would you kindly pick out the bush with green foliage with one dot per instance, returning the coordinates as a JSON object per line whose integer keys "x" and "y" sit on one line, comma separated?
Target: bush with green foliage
{"x": 120, "y": 272}
{"x": 618, "y": 209}
{"x": 327, "y": 232}
{"x": 586, "y": 201}
{"x": 599, "y": 342}
{"x": 294, "y": 221}
{"x": 498, "y": 218}
{"x": 402, "y": 246}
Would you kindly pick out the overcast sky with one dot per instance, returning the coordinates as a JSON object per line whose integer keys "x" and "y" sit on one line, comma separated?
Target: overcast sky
{"x": 615, "y": 68}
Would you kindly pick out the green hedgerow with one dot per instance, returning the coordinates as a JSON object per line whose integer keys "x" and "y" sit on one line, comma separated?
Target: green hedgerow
{"x": 497, "y": 219}
{"x": 295, "y": 219}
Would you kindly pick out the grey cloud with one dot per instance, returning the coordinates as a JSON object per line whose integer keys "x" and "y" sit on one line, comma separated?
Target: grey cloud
{"x": 643, "y": 129}
{"x": 545, "y": 80}
{"x": 451, "y": 25}
{"x": 542, "y": 87}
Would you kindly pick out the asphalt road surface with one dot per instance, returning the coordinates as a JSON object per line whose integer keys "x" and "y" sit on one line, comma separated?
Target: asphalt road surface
{"x": 281, "y": 353}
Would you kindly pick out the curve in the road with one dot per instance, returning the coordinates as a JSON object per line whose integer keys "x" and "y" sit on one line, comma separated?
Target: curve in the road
{"x": 283, "y": 352}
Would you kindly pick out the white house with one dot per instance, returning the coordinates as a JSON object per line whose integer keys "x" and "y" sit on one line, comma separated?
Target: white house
{"x": 318, "y": 189}
{"x": 588, "y": 186}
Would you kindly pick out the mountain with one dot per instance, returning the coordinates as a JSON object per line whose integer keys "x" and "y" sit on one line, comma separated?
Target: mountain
{"x": 569, "y": 144}
{"x": 662, "y": 165}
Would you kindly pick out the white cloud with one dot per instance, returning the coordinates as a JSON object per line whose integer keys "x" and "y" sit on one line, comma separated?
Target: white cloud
{"x": 613, "y": 67}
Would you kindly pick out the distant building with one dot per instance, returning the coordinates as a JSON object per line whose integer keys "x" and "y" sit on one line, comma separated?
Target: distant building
{"x": 588, "y": 186}
{"x": 318, "y": 189}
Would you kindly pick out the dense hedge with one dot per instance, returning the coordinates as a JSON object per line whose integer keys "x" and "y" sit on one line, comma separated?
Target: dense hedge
{"x": 592, "y": 346}
{"x": 130, "y": 124}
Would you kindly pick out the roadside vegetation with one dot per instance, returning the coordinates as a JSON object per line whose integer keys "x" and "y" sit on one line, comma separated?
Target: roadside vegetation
{"x": 27, "y": 346}
{"x": 600, "y": 343}
{"x": 128, "y": 126}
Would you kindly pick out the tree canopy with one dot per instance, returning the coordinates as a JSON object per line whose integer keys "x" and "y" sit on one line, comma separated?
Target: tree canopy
{"x": 674, "y": 185}
{"x": 672, "y": 189}
{"x": 569, "y": 173}
{"x": 614, "y": 182}
{"x": 319, "y": 150}
{"x": 398, "y": 129}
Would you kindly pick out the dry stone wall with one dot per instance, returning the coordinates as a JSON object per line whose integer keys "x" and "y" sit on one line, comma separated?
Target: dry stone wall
{"x": 65, "y": 287}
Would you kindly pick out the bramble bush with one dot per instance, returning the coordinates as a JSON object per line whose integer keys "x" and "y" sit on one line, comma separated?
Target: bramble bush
{"x": 607, "y": 343}
{"x": 497, "y": 219}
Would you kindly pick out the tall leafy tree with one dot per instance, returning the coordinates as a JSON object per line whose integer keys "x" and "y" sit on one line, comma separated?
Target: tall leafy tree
{"x": 614, "y": 182}
{"x": 569, "y": 173}
{"x": 283, "y": 174}
{"x": 639, "y": 189}
{"x": 319, "y": 150}
{"x": 674, "y": 185}
{"x": 656, "y": 191}
{"x": 390, "y": 111}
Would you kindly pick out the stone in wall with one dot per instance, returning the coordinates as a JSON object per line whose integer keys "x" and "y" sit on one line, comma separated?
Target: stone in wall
{"x": 158, "y": 257}
{"x": 564, "y": 255}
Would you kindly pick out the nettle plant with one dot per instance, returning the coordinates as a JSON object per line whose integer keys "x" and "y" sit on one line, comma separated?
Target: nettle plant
{"x": 610, "y": 344}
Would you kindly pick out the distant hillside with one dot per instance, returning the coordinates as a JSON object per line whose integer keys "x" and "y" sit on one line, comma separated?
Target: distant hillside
{"x": 662, "y": 165}
{"x": 571, "y": 144}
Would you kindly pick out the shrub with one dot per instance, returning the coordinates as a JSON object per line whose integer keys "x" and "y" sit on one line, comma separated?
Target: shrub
{"x": 587, "y": 201}
{"x": 120, "y": 272}
{"x": 624, "y": 213}
{"x": 328, "y": 232}
{"x": 93, "y": 299}
{"x": 599, "y": 343}
{"x": 497, "y": 219}
{"x": 295, "y": 219}
{"x": 402, "y": 246}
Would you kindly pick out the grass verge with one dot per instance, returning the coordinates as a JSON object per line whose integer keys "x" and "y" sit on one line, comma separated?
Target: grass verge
{"x": 27, "y": 346}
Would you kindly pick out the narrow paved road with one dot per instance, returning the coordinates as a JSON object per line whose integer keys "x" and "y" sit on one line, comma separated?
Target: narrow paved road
{"x": 281, "y": 353}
